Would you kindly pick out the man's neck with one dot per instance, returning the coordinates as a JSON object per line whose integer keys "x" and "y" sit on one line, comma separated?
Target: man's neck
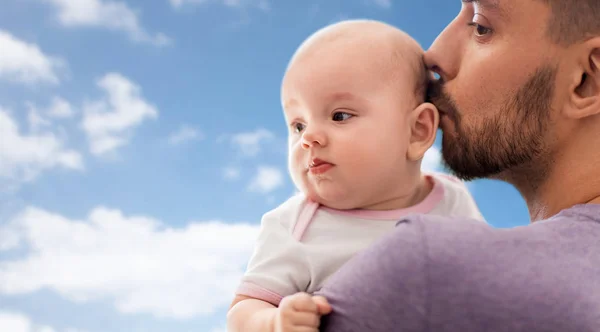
{"x": 569, "y": 182}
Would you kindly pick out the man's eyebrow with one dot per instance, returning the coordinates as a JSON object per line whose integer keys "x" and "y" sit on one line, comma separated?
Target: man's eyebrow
{"x": 489, "y": 4}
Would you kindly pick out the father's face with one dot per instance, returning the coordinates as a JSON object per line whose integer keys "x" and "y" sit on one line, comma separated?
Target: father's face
{"x": 497, "y": 72}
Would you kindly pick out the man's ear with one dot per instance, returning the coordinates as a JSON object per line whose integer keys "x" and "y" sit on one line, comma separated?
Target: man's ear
{"x": 424, "y": 122}
{"x": 586, "y": 94}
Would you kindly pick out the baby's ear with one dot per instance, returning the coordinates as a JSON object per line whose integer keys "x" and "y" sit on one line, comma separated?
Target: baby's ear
{"x": 424, "y": 122}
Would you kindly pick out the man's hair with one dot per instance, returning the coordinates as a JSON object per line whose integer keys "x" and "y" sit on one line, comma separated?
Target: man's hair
{"x": 573, "y": 21}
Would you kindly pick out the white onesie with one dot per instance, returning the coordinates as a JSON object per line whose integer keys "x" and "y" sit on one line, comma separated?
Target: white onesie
{"x": 301, "y": 243}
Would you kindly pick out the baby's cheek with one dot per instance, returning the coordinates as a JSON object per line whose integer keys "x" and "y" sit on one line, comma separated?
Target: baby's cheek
{"x": 298, "y": 173}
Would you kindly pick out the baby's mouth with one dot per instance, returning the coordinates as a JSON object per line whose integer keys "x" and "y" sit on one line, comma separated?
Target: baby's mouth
{"x": 318, "y": 166}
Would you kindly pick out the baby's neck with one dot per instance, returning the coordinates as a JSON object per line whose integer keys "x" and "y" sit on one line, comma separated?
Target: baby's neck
{"x": 414, "y": 196}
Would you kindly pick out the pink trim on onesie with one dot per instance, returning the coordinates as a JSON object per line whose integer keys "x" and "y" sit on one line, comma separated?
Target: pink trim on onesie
{"x": 257, "y": 292}
{"x": 310, "y": 207}
{"x": 304, "y": 219}
{"x": 425, "y": 206}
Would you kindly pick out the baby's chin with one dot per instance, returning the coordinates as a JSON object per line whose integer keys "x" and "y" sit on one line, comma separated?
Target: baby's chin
{"x": 331, "y": 199}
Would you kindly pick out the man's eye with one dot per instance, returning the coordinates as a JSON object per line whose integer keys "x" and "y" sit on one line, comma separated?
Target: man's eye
{"x": 480, "y": 30}
{"x": 341, "y": 116}
{"x": 298, "y": 127}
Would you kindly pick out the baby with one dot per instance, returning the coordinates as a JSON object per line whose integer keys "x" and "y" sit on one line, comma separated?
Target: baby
{"x": 354, "y": 101}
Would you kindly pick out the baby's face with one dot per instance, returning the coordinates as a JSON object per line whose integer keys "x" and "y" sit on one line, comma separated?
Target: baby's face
{"x": 348, "y": 124}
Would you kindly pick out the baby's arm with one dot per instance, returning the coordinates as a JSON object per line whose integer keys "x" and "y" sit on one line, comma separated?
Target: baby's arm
{"x": 249, "y": 314}
{"x": 269, "y": 297}
{"x": 298, "y": 312}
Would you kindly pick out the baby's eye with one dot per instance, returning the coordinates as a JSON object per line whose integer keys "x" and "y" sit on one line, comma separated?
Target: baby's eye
{"x": 298, "y": 127}
{"x": 341, "y": 116}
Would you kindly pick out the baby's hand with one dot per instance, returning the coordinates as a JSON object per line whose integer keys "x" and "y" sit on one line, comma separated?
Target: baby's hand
{"x": 301, "y": 312}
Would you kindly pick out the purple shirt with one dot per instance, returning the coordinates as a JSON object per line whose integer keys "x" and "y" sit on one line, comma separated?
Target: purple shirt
{"x": 437, "y": 274}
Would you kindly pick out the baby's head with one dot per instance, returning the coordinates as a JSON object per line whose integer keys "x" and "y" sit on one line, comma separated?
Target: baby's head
{"x": 353, "y": 97}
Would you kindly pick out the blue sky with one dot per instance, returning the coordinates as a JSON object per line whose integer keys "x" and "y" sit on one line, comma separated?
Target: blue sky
{"x": 140, "y": 143}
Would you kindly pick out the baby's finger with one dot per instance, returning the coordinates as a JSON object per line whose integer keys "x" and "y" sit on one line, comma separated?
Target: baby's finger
{"x": 306, "y": 329}
{"x": 304, "y": 302}
{"x": 306, "y": 319}
{"x": 323, "y": 305}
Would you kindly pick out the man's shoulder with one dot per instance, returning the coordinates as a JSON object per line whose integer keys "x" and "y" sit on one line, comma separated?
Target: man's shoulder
{"x": 447, "y": 234}
{"x": 529, "y": 276}
{"x": 456, "y": 274}
{"x": 468, "y": 246}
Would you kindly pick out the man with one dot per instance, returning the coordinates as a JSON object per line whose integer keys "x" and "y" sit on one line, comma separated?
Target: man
{"x": 519, "y": 93}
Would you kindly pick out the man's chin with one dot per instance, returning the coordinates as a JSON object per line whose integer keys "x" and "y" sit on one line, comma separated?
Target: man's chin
{"x": 462, "y": 169}
{"x": 455, "y": 160}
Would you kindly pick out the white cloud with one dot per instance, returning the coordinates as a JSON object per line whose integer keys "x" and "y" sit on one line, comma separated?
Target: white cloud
{"x": 432, "y": 161}
{"x": 266, "y": 180}
{"x": 136, "y": 262}
{"x": 36, "y": 121}
{"x": 112, "y": 15}
{"x": 23, "y": 157}
{"x": 184, "y": 134}
{"x": 60, "y": 108}
{"x": 231, "y": 173}
{"x": 260, "y": 4}
{"x": 383, "y": 3}
{"x": 25, "y": 63}
{"x": 14, "y": 322}
{"x": 17, "y": 322}
{"x": 9, "y": 239}
{"x": 249, "y": 143}
{"x": 109, "y": 122}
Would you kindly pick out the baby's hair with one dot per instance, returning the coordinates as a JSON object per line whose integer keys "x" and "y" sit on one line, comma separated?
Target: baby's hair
{"x": 404, "y": 51}
{"x": 413, "y": 56}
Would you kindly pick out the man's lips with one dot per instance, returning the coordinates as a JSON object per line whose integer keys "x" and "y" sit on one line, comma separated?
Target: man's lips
{"x": 318, "y": 166}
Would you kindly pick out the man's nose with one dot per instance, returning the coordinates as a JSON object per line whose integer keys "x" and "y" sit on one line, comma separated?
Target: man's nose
{"x": 313, "y": 136}
{"x": 445, "y": 54}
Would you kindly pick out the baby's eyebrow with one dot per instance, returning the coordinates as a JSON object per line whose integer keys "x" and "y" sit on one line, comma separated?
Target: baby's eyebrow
{"x": 342, "y": 95}
{"x": 348, "y": 96}
{"x": 289, "y": 103}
